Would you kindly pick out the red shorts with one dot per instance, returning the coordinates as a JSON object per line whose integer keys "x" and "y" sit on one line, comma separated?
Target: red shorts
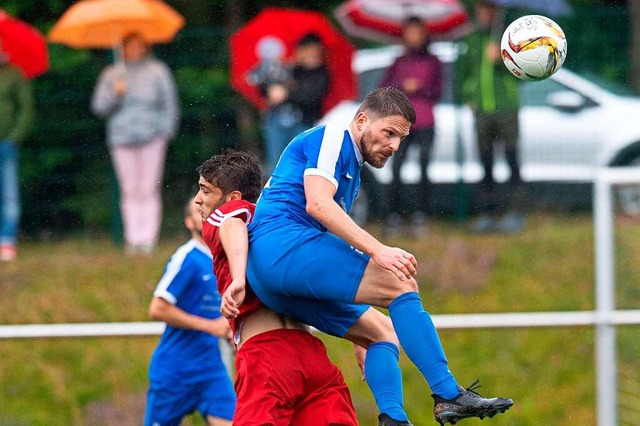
{"x": 284, "y": 377}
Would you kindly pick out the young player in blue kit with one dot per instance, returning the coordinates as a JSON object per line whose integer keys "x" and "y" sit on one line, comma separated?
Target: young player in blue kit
{"x": 186, "y": 372}
{"x": 329, "y": 279}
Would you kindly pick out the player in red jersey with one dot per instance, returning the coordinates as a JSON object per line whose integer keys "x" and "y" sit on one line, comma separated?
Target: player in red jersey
{"x": 283, "y": 373}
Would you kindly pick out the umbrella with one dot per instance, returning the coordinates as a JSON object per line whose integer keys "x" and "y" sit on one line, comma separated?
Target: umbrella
{"x": 546, "y": 7}
{"x": 276, "y": 30}
{"x": 104, "y": 23}
{"x": 381, "y": 20}
{"x": 25, "y": 47}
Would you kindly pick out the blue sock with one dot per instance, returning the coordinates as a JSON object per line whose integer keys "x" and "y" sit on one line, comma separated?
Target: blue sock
{"x": 419, "y": 339}
{"x": 385, "y": 379}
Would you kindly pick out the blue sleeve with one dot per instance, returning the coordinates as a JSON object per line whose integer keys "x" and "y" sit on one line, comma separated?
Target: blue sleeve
{"x": 176, "y": 278}
{"x": 323, "y": 151}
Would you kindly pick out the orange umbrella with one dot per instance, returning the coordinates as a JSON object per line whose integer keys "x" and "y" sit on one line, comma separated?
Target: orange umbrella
{"x": 103, "y": 24}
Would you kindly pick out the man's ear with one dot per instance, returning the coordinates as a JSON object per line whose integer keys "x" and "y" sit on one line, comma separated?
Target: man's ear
{"x": 361, "y": 119}
{"x": 234, "y": 195}
{"x": 188, "y": 223}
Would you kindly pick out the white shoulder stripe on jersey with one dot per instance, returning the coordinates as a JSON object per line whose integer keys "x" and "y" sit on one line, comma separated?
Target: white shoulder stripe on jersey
{"x": 330, "y": 149}
{"x": 173, "y": 267}
{"x": 217, "y": 218}
{"x": 320, "y": 172}
{"x": 164, "y": 294}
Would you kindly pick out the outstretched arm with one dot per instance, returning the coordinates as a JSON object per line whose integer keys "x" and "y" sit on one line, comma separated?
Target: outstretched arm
{"x": 161, "y": 310}
{"x": 235, "y": 242}
{"x": 319, "y": 193}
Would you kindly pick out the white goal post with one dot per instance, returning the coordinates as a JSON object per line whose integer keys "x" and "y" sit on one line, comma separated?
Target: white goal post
{"x": 605, "y": 317}
{"x": 603, "y": 217}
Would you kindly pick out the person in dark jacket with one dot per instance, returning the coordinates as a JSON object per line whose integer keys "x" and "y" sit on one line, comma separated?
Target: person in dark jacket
{"x": 296, "y": 104}
{"x": 419, "y": 74}
{"x": 492, "y": 92}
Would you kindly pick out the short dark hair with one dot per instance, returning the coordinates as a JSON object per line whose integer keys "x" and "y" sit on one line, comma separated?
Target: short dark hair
{"x": 309, "y": 39}
{"x": 388, "y": 101}
{"x": 134, "y": 36}
{"x": 412, "y": 20}
{"x": 234, "y": 171}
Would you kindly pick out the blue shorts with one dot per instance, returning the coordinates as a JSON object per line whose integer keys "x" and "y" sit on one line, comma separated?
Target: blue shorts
{"x": 309, "y": 275}
{"x": 167, "y": 405}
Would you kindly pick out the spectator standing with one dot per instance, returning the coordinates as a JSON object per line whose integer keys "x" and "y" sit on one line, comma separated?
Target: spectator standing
{"x": 186, "y": 372}
{"x": 492, "y": 92}
{"x": 139, "y": 102}
{"x": 16, "y": 117}
{"x": 310, "y": 79}
{"x": 295, "y": 104}
{"x": 419, "y": 74}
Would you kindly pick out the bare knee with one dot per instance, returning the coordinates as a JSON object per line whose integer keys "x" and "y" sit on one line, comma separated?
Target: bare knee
{"x": 379, "y": 286}
{"x": 373, "y": 326}
{"x": 217, "y": 421}
{"x": 408, "y": 286}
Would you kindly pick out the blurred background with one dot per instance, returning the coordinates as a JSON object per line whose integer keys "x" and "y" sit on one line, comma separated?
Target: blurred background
{"x": 65, "y": 166}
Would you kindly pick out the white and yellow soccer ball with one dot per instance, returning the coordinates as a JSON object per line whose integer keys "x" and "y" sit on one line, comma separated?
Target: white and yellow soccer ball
{"x": 533, "y": 47}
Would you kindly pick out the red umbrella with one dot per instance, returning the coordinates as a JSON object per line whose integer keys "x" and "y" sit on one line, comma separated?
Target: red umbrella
{"x": 25, "y": 46}
{"x": 381, "y": 20}
{"x": 280, "y": 29}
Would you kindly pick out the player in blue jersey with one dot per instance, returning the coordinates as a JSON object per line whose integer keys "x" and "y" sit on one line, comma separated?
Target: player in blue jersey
{"x": 186, "y": 372}
{"x": 329, "y": 279}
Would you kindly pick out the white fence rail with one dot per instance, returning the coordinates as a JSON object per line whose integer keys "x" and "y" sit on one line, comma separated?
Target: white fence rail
{"x": 442, "y": 322}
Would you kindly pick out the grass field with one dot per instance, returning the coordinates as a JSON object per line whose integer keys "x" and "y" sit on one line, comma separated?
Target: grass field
{"x": 548, "y": 372}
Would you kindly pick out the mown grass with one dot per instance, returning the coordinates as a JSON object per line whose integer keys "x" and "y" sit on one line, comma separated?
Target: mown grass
{"x": 549, "y": 372}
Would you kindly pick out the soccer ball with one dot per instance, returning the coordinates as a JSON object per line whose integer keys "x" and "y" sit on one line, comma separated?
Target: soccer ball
{"x": 533, "y": 47}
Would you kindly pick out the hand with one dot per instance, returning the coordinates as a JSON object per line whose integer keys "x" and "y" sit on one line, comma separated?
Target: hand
{"x": 120, "y": 87}
{"x": 403, "y": 264}
{"x": 492, "y": 52}
{"x": 220, "y": 328}
{"x": 410, "y": 85}
{"x": 233, "y": 298}
{"x": 277, "y": 94}
{"x": 361, "y": 354}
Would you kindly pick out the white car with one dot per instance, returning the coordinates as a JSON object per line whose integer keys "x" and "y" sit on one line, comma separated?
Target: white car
{"x": 569, "y": 126}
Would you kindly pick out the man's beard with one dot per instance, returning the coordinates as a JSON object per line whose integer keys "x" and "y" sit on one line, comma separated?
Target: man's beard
{"x": 367, "y": 154}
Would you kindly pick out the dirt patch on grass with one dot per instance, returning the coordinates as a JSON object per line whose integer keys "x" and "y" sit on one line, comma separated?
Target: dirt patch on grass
{"x": 126, "y": 410}
{"x": 460, "y": 266}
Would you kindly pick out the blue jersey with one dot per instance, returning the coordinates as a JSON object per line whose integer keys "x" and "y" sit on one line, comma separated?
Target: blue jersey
{"x": 321, "y": 151}
{"x": 188, "y": 283}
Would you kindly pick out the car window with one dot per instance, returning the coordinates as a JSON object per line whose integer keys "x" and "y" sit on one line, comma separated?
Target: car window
{"x": 608, "y": 85}
{"x": 537, "y": 93}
